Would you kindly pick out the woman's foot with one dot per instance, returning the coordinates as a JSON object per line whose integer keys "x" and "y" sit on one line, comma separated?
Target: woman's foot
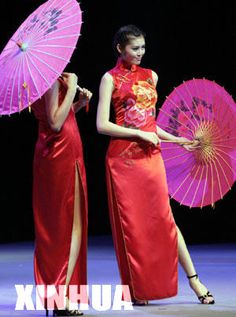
{"x": 67, "y": 312}
{"x": 200, "y": 290}
{"x": 75, "y": 312}
{"x": 140, "y": 302}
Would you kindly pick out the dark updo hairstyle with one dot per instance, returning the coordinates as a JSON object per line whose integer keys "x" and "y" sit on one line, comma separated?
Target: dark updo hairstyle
{"x": 124, "y": 34}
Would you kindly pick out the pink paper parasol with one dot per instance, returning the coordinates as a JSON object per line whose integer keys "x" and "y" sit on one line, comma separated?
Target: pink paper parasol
{"x": 200, "y": 109}
{"x": 37, "y": 54}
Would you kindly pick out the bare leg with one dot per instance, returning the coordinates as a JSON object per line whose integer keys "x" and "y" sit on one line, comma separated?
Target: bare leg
{"x": 76, "y": 233}
{"x": 187, "y": 264}
{"x": 184, "y": 256}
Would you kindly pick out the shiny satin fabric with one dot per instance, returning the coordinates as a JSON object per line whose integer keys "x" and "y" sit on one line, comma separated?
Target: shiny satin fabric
{"x": 58, "y": 156}
{"x": 143, "y": 227}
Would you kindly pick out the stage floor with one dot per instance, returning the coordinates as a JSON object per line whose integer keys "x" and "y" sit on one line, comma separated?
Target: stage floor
{"x": 215, "y": 263}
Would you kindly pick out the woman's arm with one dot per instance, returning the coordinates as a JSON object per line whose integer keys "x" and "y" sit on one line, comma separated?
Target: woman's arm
{"x": 104, "y": 125}
{"x": 56, "y": 114}
{"x": 165, "y": 135}
{"x": 189, "y": 145}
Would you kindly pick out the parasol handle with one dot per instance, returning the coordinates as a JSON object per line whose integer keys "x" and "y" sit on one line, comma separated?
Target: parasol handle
{"x": 79, "y": 88}
{"x": 87, "y": 104}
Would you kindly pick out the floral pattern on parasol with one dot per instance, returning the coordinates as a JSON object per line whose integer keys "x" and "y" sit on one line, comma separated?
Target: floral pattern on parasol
{"x": 37, "y": 53}
{"x": 201, "y": 110}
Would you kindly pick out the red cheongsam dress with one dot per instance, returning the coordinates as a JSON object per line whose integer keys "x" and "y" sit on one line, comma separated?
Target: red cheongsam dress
{"x": 58, "y": 157}
{"x": 143, "y": 227}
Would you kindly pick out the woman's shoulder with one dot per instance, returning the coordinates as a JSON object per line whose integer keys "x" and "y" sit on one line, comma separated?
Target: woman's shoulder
{"x": 154, "y": 77}
{"x": 107, "y": 81}
{"x": 107, "y": 77}
{"x": 110, "y": 75}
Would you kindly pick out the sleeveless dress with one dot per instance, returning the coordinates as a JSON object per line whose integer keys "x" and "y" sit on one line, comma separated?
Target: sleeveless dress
{"x": 143, "y": 228}
{"x": 58, "y": 157}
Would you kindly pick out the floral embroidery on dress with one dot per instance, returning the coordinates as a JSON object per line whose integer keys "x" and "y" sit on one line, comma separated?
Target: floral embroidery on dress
{"x": 146, "y": 95}
{"x": 134, "y": 116}
{"x": 139, "y": 109}
{"x": 136, "y": 150}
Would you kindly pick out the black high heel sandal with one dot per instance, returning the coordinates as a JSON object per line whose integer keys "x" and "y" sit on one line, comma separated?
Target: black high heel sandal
{"x": 67, "y": 312}
{"x": 63, "y": 312}
{"x": 203, "y": 297}
{"x": 139, "y": 302}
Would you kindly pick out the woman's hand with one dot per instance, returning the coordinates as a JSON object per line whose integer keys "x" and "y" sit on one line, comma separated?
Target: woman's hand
{"x": 192, "y": 146}
{"x": 70, "y": 80}
{"x": 148, "y": 137}
{"x": 84, "y": 97}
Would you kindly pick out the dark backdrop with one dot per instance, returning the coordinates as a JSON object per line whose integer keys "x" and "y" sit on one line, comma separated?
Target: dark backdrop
{"x": 185, "y": 39}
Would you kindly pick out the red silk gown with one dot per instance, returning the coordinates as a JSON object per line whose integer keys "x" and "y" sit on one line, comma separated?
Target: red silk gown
{"x": 58, "y": 157}
{"x": 143, "y": 228}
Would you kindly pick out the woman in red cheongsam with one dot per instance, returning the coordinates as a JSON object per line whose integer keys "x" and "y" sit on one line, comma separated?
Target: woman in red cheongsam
{"x": 60, "y": 190}
{"x": 146, "y": 238}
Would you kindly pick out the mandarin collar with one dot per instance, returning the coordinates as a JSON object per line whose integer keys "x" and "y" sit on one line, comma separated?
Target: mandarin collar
{"x": 123, "y": 65}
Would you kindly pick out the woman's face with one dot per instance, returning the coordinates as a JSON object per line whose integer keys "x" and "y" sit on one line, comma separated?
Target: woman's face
{"x": 133, "y": 52}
